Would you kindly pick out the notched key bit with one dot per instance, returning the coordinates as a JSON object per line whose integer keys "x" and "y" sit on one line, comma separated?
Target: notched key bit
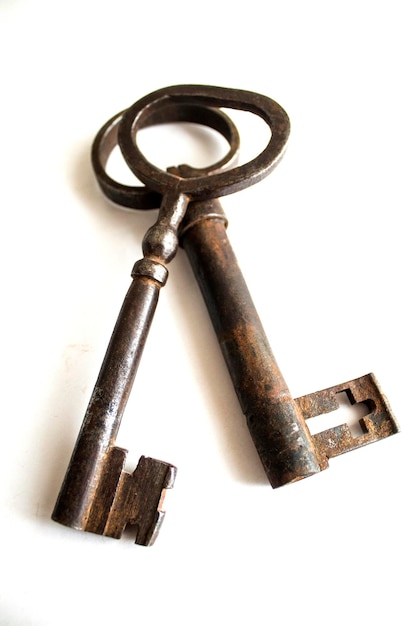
{"x": 135, "y": 499}
{"x": 377, "y": 424}
{"x": 122, "y": 499}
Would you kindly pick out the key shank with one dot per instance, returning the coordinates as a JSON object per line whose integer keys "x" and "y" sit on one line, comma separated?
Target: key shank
{"x": 278, "y": 430}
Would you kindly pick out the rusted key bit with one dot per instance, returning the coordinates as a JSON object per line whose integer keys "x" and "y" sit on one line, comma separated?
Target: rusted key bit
{"x": 276, "y": 421}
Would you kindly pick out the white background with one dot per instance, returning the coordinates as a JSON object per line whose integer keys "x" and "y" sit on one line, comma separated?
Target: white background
{"x": 327, "y": 244}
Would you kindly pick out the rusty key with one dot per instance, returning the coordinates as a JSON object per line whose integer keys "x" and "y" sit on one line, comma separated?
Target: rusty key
{"x": 97, "y": 495}
{"x": 277, "y": 422}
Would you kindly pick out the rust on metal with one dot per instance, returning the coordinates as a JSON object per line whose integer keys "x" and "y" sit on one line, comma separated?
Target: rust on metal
{"x": 276, "y": 421}
{"x": 377, "y": 424}
{"x": 97, "y": 494}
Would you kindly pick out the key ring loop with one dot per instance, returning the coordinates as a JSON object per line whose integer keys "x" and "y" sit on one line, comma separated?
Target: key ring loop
{"x": 141, "y": 197}
{"x": 214, "y": 185}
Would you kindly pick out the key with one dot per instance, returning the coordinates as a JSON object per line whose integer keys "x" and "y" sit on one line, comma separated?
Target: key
{"x": 277, "y": 422}
{"x": 97, "y": 495}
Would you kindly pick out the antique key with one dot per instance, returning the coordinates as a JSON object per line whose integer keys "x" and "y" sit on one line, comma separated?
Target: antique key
{"x": 97, "y": 495}
{"x": 277, "y": 422}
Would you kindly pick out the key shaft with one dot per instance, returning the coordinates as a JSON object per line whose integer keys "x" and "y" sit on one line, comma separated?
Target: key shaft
{"x": 281, "y": 437}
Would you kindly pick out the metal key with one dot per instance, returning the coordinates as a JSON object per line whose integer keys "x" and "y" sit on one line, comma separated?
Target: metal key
{"x": 97, "y": 495}
{"x": 276, "y": 421}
